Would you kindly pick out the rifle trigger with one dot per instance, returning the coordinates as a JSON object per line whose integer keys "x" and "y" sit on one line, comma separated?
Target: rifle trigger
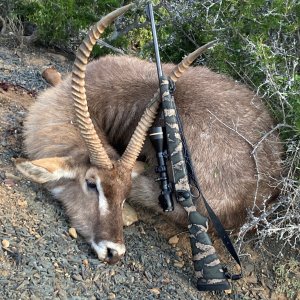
{"x": 184, "y": 194}
{"x": 172, "y": 86}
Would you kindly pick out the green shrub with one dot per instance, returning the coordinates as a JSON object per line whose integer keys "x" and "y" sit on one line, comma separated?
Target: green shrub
{"x": 259, "y": 42}
{"x": 61, "y": 20}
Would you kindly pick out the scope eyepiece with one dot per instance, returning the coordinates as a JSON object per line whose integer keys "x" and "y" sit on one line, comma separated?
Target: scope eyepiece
{"x": 157, "y": 138}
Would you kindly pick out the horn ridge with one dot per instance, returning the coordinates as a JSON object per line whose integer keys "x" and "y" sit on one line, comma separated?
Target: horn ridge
{"x": 138, "y": 138}
{"x": 97, "y": 152}
{"x": 188, "y": 60}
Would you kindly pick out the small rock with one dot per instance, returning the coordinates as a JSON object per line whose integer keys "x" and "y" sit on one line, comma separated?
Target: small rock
{"x": 111, "y": 296}
{"x": 8, "y": 68}
{"x": 155, "y": 291}
{"x": 37, "y": 275}
{"x": 77, "y": 277}
{"x": 119, "y": 279}
{"x": 73, "y": 233}
{"x": 179, "y": 264}
{"x": 179, "y": 253}
{"x": 173, "y": 240}
{"x": 52, "y": 76}
{"x": 148, "y": 275}
{"x": 22, "y": 203}
{"x": 166, "y": 280}
{"x": 129, "y": 215}
{"x": 142, "y": 230}
{"x": 19, "y": 54}
{"x": 171, "y": 288}
{"x": 85, "y": 262}
{"x": 5, "y": 243}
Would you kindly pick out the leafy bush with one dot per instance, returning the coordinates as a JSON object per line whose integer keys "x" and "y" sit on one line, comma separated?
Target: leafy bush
{"x": 62, "y": 20}
{"x": 259, "y": 43}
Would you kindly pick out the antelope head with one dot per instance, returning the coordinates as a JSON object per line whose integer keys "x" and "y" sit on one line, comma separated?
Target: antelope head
{"x": 93, "y": 192}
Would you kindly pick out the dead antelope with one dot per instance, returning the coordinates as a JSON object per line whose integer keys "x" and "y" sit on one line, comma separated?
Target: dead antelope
{"x": 83, "y": 137}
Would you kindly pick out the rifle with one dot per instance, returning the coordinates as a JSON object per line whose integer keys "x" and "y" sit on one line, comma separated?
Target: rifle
{"x": 208, "y": 270}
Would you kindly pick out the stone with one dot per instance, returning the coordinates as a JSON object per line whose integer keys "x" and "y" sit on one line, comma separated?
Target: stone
{"x": 111, "y": 296}
{"x": 129, "y": 215}
{"x": 85, "y": 262}
{"x": 73, "y": 233}
{"x": 179, "y": 264}
{"x": 77, "y": 277}
{"x": 22, "y": 203}
{"x": 5, "y": 243}
{"x": 155, "y": 291}
{"x": 179, "y": 253}
{"x": 173, "y": 240}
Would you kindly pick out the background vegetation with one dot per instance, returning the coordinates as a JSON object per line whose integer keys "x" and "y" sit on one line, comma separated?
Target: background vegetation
{"x": 259, "y": 44}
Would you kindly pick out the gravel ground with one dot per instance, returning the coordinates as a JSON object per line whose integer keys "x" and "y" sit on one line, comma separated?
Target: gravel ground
{"x": 24, "y": 68}
{"x": 42, "y": 261}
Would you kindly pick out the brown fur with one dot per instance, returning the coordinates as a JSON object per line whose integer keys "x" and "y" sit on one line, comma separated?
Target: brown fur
{"x": 118, "y": 89}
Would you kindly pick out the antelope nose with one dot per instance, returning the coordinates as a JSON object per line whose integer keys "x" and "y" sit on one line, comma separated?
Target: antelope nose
{"x": 108, "y": 251}
{"x": 112, "y": 256}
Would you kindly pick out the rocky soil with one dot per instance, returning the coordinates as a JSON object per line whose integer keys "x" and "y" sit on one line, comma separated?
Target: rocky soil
{"x": 40, "y": 260}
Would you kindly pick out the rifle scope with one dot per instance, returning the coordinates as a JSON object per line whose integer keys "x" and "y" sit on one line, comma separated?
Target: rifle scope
{"x": 157, "y": 139}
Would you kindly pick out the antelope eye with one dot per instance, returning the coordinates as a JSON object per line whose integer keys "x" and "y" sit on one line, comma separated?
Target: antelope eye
{"x": 91, "y": 184}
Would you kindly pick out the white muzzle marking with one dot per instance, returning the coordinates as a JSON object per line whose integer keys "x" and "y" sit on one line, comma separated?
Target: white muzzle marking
{"x": 102, "y": 248}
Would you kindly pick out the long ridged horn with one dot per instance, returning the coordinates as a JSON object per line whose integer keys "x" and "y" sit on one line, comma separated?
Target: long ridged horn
{"x": 138, "y": 138}
{"x": 188, "y": 60}
{"x": 97, "y": 153}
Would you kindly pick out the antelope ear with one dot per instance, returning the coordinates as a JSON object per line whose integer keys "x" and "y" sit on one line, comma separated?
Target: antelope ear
{"x": 138, "y": 169}
{"x": 46, "y": 169}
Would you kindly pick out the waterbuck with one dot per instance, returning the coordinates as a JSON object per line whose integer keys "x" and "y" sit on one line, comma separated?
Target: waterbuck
{"x": 84, "y": 135}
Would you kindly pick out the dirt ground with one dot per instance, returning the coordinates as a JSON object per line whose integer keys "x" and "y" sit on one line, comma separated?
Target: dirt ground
{"x": 40, "y": 260}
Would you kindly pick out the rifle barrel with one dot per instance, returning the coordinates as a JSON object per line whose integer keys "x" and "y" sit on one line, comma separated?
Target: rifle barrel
{"x": 154, "y": 35}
